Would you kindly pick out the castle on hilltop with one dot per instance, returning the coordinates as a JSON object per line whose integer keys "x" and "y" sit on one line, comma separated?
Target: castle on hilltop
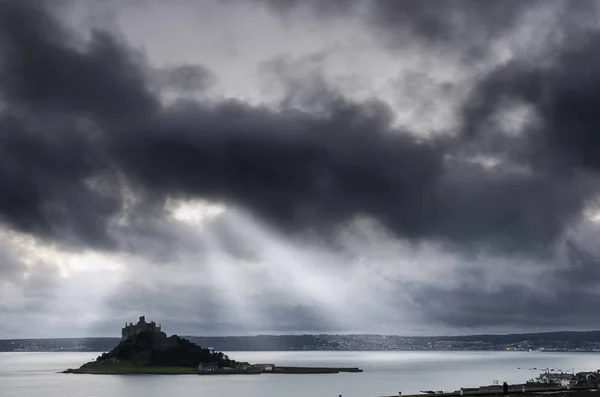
{"x": 132, "y": 330}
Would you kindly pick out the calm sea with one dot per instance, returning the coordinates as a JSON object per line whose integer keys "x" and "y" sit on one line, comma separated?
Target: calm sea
{"x": 385, "y": 374}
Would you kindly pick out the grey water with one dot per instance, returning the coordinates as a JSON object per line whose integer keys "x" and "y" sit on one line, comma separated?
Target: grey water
{"x": 385, "y": 374}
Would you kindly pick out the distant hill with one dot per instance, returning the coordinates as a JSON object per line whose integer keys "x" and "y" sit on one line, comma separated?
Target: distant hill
{"x": 561, "y": 336}
{"x": 551, "y": 341}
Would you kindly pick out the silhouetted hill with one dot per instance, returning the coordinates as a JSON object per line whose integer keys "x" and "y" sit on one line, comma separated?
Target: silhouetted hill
{"x": 152, "y": 350}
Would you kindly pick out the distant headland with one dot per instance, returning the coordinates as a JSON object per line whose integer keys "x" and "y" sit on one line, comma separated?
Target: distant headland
{"x": 564, "y": 341}
{"x": 145, "y": 349}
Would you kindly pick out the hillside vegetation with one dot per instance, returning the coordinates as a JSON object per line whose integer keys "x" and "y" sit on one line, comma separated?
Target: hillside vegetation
{"x": 154, "y": 352}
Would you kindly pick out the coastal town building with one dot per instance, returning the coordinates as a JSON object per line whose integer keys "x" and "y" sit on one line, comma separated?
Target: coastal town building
{"x": 587, "y": 378}
{"x": 557, "y": 378}
{"x": 265, "y": 367}
{"x": 132, "y": 330}
{"x": 208, "y": 367}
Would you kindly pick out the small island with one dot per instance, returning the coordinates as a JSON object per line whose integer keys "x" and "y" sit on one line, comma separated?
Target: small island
{"x": 145, "y": 349}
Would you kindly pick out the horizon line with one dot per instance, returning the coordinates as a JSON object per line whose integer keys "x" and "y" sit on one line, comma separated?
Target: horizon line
{"x": 319, "y": 334}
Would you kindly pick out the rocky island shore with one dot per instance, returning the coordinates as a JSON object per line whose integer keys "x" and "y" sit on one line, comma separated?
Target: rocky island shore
{"x": 145, "y": 349}
{"x": 155, "y": 353}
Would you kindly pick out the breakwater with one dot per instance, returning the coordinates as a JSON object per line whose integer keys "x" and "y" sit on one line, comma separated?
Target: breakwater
{"x": 255, "y": 370}
{"x": 251, "y": 371}
{"x": 312, "y": 370}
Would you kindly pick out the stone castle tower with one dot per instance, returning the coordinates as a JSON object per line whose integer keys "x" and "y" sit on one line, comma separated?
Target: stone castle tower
{"x": 132, "y": 330}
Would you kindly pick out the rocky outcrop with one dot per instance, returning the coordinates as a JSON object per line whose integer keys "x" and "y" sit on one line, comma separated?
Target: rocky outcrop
{"x": 149, "y": 351}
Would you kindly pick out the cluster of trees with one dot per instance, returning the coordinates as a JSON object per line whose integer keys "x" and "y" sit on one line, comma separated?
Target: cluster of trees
{"x": 155, "y": 349}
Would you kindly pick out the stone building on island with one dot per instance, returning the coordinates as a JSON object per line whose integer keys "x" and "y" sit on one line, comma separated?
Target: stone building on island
{"x": 132, "y": 330}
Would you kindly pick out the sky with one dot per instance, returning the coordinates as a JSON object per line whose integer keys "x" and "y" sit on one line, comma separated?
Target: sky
{"x": 242, "y": 167}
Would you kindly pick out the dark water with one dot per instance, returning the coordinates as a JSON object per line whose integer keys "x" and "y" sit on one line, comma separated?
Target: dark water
{"x": 386, "y": 373}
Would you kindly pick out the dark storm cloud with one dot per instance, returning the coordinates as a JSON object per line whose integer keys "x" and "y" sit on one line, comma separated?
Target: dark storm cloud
{"x": 43, "y": 169}
{"x": 558, "y": 154}
{"x": 447, "y": 21}
{"x": 436, "y": 19}
{"x": 49, "y": 151}
{"x": 564, "y": 95}
{"x": 581, "y": 268}
{"x": 44, "y": 68}
{"x": 299, "y": 170}
{"x": 296, "y": 169}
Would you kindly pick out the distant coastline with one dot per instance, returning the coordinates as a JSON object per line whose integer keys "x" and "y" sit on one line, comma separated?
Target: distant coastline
{"x": 568, "y": 341}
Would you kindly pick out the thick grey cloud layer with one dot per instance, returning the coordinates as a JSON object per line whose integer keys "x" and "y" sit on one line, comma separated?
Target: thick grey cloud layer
{"x": 296, "y": 168}
{"x": 563, "y": 94}
{"x": 468, "y": 27}
{"x": 82, "y": 128}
